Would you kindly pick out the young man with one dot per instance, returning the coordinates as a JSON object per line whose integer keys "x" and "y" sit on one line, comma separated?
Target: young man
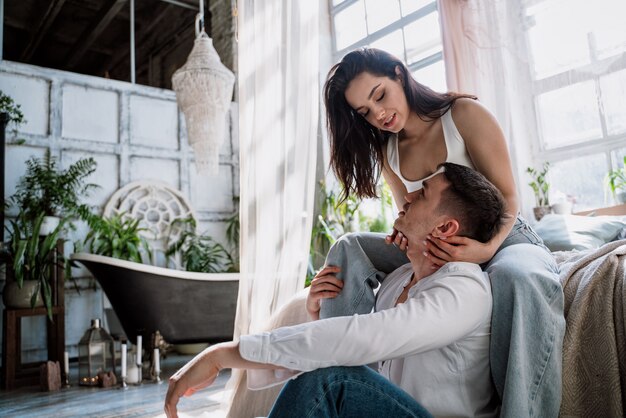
{"x": 430, "y": 330}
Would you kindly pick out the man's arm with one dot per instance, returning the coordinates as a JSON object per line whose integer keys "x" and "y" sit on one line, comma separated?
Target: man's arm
{"x": 202, "y": 371}
{"x": 449, "y": 309}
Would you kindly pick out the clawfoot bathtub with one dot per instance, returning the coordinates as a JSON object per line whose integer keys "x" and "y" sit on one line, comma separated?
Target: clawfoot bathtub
{"x": 185, "y": 307}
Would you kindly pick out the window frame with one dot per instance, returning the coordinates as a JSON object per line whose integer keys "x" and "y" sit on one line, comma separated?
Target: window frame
{"x": 372, "y": 37}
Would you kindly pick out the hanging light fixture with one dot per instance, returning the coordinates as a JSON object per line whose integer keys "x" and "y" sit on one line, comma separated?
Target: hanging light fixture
{"x": 204, "y": 88}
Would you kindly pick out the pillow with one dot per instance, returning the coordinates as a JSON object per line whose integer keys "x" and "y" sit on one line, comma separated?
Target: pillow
{"x": 574, "y": 232}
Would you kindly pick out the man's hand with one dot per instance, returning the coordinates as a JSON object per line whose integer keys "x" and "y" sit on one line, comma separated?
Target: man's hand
{"x": 325, "y": 285}
{"x": 456, "y": 248}
{"x": 397, "y": 238}
{"x": 199, "y": 373}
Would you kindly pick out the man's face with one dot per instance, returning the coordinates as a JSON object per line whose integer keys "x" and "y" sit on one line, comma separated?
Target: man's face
{"x": 421, "y": 215}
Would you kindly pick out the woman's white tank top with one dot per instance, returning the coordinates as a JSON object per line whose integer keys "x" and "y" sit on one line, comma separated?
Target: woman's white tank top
{"x": 455, "y": 147}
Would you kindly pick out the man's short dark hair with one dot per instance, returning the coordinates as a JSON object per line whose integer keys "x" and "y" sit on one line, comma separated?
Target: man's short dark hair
{"x": 474, "y": 201}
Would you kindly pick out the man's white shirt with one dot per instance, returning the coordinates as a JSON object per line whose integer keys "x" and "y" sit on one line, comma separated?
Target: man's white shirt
{"x": 435, "y": 346}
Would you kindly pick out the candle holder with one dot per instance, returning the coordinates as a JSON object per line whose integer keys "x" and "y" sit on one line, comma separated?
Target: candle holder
{"x": 66, "y": 381}
{"x": 124, "y": 385}
{"x": 155, "y": 367}
{"x": 139, "y": 374}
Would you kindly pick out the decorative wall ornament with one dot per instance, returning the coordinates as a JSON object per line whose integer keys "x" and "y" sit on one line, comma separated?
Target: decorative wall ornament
{"x": 204, "y": 89}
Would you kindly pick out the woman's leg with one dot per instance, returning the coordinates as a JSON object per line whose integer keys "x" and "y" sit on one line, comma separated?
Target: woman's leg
{"x": 365, "y": 260}
{"x": 527, "y": 329}
{"x": 357, "y": 392}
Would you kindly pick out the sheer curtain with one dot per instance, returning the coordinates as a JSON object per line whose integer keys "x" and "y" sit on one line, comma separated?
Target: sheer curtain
{"x": 278, "y": 121}
{"x": 485, "y": 54}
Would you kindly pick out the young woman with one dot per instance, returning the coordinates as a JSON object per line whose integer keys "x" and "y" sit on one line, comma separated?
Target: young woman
{"x": 382, "y": 121}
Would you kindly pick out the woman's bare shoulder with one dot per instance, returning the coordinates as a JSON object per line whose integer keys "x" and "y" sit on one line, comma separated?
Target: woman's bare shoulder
{"x": 470, "y": 115}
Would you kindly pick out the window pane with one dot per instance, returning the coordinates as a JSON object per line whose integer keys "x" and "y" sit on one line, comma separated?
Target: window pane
{"x": 422, "y": 37}
{"x": 613, "y": 88}
{"x": 350, "y": 25}
{"x": 617, "y": 157}
{"x": 392, "y": 43}
{"x": 381, "y": 13}
{"x": 410, "y": 6}
{"x": 606, "y": 19}
{"x": 558, "y": 40}
{"x": 581, "y": 178}
{"x": 433, "y": 76}
{"x": 569, "y": 115}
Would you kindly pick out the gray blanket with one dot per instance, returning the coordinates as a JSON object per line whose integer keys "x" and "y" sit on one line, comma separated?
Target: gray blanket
{"x": 594, "y": 349}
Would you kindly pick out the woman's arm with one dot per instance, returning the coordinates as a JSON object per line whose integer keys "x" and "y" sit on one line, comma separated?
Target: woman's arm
{"x": 398, "y": 191}
{"x": 488, "y": 151}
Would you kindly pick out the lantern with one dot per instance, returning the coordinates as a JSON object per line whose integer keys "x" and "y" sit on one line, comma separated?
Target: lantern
{"x": 95, "y": 354}
{"x": 204, "y": 89}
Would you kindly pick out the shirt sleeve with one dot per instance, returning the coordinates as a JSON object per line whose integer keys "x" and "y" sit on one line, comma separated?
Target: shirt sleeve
{"x": 447, "y": 310}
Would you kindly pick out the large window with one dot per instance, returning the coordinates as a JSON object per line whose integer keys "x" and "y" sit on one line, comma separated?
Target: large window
{"x": 408, "y": 29}
{"x": 578, "y": 54}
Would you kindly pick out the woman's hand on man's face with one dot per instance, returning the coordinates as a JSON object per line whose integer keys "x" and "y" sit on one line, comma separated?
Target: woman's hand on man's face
{"x": 457, "y": 248}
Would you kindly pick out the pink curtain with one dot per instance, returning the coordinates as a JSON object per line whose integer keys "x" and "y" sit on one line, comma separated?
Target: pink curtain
{"x": 484, "y": 51}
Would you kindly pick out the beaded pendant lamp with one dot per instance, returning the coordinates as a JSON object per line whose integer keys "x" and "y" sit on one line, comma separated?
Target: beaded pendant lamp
{"x": 204, "y": 88}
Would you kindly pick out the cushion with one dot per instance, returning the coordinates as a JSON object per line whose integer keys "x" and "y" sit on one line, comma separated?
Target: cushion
{"x": 574, "y": 232}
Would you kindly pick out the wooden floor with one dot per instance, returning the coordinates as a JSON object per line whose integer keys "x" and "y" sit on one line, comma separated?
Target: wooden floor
{"x": 145, "y": 400}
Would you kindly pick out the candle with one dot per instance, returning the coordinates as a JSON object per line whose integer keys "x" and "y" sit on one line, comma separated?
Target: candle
{"x": 157, "y": 361}
{"x": 139, "y": 350}
{"x": 66, "y": 363}
{"x": 123, "y": 360}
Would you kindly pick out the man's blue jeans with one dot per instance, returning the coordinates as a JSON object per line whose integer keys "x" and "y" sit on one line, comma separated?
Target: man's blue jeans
{"x": 527, "y": 325}
{"x": 347, "y": 392}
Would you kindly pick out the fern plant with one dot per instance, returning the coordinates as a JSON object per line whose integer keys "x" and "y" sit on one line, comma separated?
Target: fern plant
{"x": 14, "y": 115}
{"x": 117, "y": 236}
{"x": 54, "y": 192}
{"x": 200, "y": 253}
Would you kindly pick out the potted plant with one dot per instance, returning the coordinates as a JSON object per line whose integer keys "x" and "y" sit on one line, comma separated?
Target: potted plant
{"x": 541, "y": 188}
{"x": 616, "y": 182}
{"x": 117, "y": 236}
{"x": 54, "y": 192}
{"x": 199, "y": 252}
{"x": 31, "y": 260}
{"x": 10, "y": 112}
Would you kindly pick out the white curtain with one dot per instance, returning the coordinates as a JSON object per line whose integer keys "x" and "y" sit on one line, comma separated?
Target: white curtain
{"x": 485, "y": 55}
{"x": 278, "y": 121}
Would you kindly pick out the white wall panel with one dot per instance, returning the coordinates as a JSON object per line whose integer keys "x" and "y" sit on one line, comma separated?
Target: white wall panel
{"x": 90, "y": 114}
{"x": 153, "y": 122}
{"x": 167, "y": 171}
{"x": 212, "y": 193}
{"x": 33, "y": 95}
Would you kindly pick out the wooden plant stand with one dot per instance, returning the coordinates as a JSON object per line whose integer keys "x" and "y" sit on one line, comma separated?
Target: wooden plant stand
{"x": 14, "y": 373}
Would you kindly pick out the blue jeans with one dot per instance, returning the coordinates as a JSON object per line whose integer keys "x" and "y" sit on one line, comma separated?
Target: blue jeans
{"x": 527, "y": 325}
{"x": 350, "y": 392}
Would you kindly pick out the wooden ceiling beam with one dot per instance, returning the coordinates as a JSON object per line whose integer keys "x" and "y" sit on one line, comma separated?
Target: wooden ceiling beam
{"x": 93, "y": 31}
{"x": 54, "y": 7}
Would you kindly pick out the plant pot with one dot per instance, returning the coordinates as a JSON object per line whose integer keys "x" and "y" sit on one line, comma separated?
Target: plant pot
{"x": 541, "y": 211}
{"x": 562, "y": 208}
{"x": 620, "y": 196}
{"x": 48, "y": 225}
{"x": 14, "y": 297}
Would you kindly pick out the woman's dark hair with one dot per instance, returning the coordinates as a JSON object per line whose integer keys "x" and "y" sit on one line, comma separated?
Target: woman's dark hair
{"x": 356, "y": 147}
